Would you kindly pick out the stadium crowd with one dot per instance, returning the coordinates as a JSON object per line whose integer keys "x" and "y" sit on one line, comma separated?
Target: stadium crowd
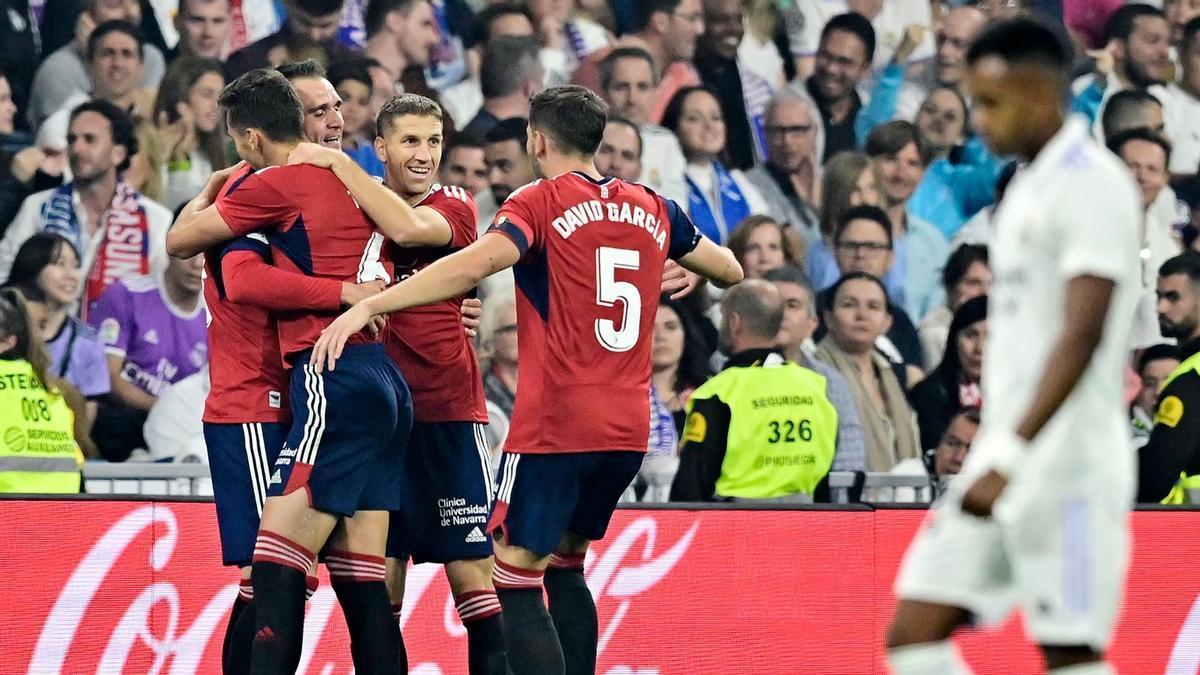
{"x": 828, "y": 143}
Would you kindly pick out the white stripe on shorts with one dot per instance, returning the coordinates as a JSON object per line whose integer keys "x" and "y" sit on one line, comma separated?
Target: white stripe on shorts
{"x": 314, "y": 426}
{"x": 485, "y": 461}
{"x": 256, "y": 460}
{"x": 509, "y": 478}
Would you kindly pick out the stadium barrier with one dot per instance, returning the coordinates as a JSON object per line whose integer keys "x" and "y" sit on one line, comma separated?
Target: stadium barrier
{"x": 98, "y": 585}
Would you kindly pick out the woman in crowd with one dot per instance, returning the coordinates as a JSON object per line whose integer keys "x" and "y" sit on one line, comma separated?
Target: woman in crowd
{"x": 29, "y": 170}
{"x": 849, "y": 181}
{"x": 858, "y": 315}
{"x": 679, "y": 362}
{"x": 760, "y": 243}
{"x": 718, "y": 198}
{"x": 954, "y": 384}
{"x": 498, "y": 337}
{"x": 46, "y": 271}
{"x": 965, "y": 276}
{"x": 189, "y": 123}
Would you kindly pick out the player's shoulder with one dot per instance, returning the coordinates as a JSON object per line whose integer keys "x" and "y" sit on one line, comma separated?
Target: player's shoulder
{"x": 530, "y": 193}
{"x": 441, "y": 193}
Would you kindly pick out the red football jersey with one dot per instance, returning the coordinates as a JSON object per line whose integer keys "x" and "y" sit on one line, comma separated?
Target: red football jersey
{"x": 588, "y": 284}
{"x": 315, "y": 228}
{"x": 428, "y": 342}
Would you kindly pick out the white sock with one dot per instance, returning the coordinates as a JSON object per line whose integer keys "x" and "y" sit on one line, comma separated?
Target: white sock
{"x": 928, "y": 658}
{"x": 1093, "y": 668}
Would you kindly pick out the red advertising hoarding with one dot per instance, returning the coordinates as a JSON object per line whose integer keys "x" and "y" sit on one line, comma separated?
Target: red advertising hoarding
{"x": 137, "y": 587}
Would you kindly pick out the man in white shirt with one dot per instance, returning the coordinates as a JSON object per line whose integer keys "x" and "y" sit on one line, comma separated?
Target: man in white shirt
{"x": 1038, "y": 516}
{"x": 889, "y": 19}
{"x": 1181, "y": 105}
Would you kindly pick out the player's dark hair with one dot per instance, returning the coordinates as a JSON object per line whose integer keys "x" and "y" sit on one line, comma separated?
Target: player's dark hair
{"x": 616, "y": 119}
{"x": 319, "y": 7}
{"x": 960, "y": 261}
{"x": 1156, "y": 353}
{"x": 892, "y": 137}
{"x": 14, "y": 321}
{"x": 119, "y": 122}
{"x": 647, "y": 9}
{"x": 511, "y": 129}
{"x": 1024, "y": 39}
{"x": 1124, "y": 105}
{"x": 377, "y": 11}
{"x": 1121, "y": 23}
{"x": 1118, "y": 142}
{"x": 295, "y": 70}
{"x": 1185, "y": 263}
{"x": 609, "y": 63}
{"x": 357, "y": 69}
{"x": 35, "y": 255}
{"x": 574, "y": 117}
{"x": 857, "y": 25}
{"x": 482, "y": 28}
{"x": 508, "y": 62}
{"x": 263, "y": 99}
{"x": 864, "y": 212}
{"x": 405, "y": 104}
{"x": 115, "y": 26}
{"x": 1191, "y": 30}
{"x": 855, "y": 276}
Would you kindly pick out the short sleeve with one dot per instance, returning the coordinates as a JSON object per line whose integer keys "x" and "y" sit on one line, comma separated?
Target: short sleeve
{"x": 458, "y": 207}
{"x": 684, "y": 235}
{"x": 516, "y": 219}
{"x": 1097, "y": 222}
{"x": 253, "y": 203}
{"x": 112, "y": 317}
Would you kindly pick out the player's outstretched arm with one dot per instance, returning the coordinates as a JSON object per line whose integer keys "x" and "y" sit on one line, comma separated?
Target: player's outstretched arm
{"x": 450, "y": 276}
{"x": 713, "y": 262}
{"x": 403, "y": 224}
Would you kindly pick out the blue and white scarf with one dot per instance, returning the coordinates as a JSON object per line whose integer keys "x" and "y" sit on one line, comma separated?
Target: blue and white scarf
{"x": 733, "y": 207}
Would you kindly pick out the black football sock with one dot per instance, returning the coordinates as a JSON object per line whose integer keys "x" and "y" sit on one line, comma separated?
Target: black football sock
{"x": 375, "y": 642}
{"x": 530, "y": 641}
{"x": 480, "y": 614}
{"x": 574, "y": 613}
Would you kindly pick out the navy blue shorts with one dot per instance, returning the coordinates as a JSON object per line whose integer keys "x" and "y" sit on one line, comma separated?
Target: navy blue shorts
{"x": 240, "y": 458}
{"x": 447, "y": 495}
{"x": 542, "y": 496}
{"x": 349, "y": 431}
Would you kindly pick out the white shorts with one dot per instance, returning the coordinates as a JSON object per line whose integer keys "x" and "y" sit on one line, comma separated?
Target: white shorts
{"x": 1062, "y": 560}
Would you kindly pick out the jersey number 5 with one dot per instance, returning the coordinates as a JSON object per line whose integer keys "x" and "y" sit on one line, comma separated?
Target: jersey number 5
{"x": 613, "y": 336}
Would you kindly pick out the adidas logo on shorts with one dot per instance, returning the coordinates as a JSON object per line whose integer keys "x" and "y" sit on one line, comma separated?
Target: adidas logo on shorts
{"x": 475, "y": 536}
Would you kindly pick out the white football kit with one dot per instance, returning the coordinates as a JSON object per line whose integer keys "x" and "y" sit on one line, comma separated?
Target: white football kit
{"x": 1057, "y": 543}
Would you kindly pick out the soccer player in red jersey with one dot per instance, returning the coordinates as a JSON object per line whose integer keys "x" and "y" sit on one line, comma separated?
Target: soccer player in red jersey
{"x": 447, "y": 478}
{"x": 343, "y": 456}
{"x": 589, "y": 254}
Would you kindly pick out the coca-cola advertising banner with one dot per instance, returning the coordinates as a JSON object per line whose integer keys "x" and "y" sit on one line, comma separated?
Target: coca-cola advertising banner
{"x": 137, "y": 587}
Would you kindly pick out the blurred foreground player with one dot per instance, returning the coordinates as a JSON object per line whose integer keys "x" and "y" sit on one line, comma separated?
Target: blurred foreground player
{"x": 340, "y": 464}
{"x": 589, "y": 255}
{"x": 1038, "y": 515}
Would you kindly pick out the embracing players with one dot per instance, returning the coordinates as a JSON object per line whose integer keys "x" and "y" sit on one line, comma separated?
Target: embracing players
{"x": 589, "y": 254}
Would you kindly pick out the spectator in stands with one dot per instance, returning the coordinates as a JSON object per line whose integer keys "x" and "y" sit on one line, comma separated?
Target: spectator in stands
{"x": 1138, "y": 38}
{"x": 1181, "y": 103}
{"x": 966, "y": 275}
{"x": 954, "y": 384}
{"x": 53, "y": 465}
{"x": 863, "y": 244}
{"x": 463, "y": 164}
{"x": 790, "y": 177}
{"x": 719, "y": 459}
{"x": 19, "y": 57}
{"x": 400, "y": 34}
{"x": 760, "y": 244}
{"x": 900, "y": 157}
{"x": 628, "y": 83}
{"x": 1148, "y": 157}
{"x": 668, "y": 31}
{"x": 742, "y": 93}
{"x": 678, "y": 358}
{"x": 46, "y": 271}
{"x": 510, "y": 74}
{"x": 948, "y": 457}
{"x": 310, "y": 31}
{"x": 154, "y": 330}
{"x": 115, "y": 60}
{"x": 203, "y": 27}
{"x": 843, "y": 59}
{"x": 889, "y": 20}
{"x": 65, "y": 73}
{"x": 795, "y": 340}
{"x": 568, "y": 38}
{"x": 464, "y": 99}
{"x": 718, "y": 198}
{"x": 498, "y": 337}
{"x": 1154, "y": 366}
{"x": 187, "y": 112}
{"x": 508, "y": 165}
{"x": 1179, "y": 14}
{"x": 323, "y": 122}
{"x": 954, "y": 35}
{"x": 97, "y": 211}
{"x": 1132, "y": 109}
{"x": 858, "y": 315}
{"x": 848, "y": 180}
{"x": 352, "y": 82}
{"x": 174, "y": 430}
{"x": 30, "y": 170}
{"x": 620, "y": 152}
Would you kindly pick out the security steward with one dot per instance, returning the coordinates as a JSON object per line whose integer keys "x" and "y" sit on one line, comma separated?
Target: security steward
{"x": 763, "y": 428}
{"x": 1169, "y": 464}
